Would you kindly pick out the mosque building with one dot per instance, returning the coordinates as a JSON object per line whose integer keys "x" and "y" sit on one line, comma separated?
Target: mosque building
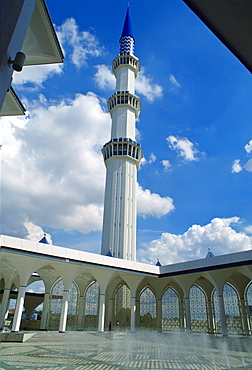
{"x": 87, "y": 291}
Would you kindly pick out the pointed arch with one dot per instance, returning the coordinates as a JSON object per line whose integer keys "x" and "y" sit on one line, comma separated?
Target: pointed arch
{"x": 198, "y": 309}
{"x": 90, "y": 320}
{"x": 122, "y": 306}
{"x": 55, "y": 305}
{"x": 232, "y": 310}
{"x": 248, "y": 302}
{"x": 148, "y": 309}
{"x": 170, "y": 310}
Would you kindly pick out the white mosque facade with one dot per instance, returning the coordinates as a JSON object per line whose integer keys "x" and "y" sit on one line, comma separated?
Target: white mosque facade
{"x": 83, "y": 291}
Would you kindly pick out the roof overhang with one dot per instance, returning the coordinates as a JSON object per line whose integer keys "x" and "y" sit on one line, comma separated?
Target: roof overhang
{"x": 41, "y": 45}
{"x": 12, "y": 106}
{"x": 231, "y": 22}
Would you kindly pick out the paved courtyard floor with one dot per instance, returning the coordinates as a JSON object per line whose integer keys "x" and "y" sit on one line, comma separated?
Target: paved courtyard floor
{"x": 120, "y": 350}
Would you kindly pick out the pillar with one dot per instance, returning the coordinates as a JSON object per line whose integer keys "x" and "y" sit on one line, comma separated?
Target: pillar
{"x": 187, "y": 314}
{"x": 101, "y": 318}
{"x": 159, "y": 314}
{"x": 80, "y": 313}
{"x": 222, "y": 315}
{"x": 45, "y": 311}
{"x": 110, "y": 313}
{"x": 210, "y": 316}
{"x": 133, "y": 314}
{"x": 4, "y": 306}
{"x": 64, "y": 309}
{"x": 182, "y": 315}
{"x": 244, "y": 316}
{"x": 18, "y": 309}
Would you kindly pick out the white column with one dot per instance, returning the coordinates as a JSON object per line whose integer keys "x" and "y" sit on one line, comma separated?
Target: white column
{"x": 80, "y": 313}
{"x": 4, "y": 306}
{"x": 18, "y": 309}
{"x": 159, "y": 314}
{"x": 244, "y": 317}
{"x": 210, "y": 316}
{"x": 45, "y": 311}
{"x": 133, "y": 314}
{"x": 101, "y": 318}
{"x": 222, "y": 315}
{"x": 64, "y": 309}
{"x": 188, "y": 314}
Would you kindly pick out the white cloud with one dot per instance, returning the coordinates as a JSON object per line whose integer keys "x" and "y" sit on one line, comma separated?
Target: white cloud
{"x": 53, "y": 172}
{"x": 82, "y": 43}
{"x": 152, "y": 204}
{"x": 35, "y": 232}
{"x": 104, "y": 78}
{"x": 248, "y": 229}
{"x": 152, "y": 158}
{"x": 55, "y": 175}
{"x": 146, "y": 87}
{"x": 248, "y": 147}
{"x": 236, "y": 167}
{"x": 175, "y": 85}
{"x": 194, "y": 243}
{"x": 183, "y": 147}
{"x": 167, "y": 164}
{"x": 248, "y": 166}
{"x": 36, "y": 75}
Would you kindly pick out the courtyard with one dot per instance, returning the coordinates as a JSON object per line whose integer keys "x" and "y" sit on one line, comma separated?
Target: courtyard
{"x": 126, "y": 350}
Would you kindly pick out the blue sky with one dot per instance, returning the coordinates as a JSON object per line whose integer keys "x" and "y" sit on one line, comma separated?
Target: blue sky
{"x": 194, "y": 128}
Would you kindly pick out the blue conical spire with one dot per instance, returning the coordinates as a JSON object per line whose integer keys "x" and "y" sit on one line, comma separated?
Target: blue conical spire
{"x": 127, "y": 28}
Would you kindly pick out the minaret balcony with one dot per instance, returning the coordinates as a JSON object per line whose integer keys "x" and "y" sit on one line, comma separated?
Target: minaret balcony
{"x": 126, "y": 60}
{"x": 122, "y": 147}
{"x": 124, "y": 99}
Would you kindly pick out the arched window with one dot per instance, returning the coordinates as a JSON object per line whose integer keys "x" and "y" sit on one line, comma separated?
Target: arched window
{"x": 249, "y": 302}
{"x": 170, "y": 310}
{"x": 232, "y": 310}
{"x": 148, "y": 314}
{"x": 91, "y": 307}
{"x": 56, "y": 306}
{"x": 122, "y": 301}
{"x": 198, "y": 309}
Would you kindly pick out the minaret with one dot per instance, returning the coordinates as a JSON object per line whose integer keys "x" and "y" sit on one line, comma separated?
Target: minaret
{"x": 122, "y": 154}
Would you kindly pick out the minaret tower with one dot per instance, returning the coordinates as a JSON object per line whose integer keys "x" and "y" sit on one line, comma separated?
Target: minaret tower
{"x": 122, "y": 154}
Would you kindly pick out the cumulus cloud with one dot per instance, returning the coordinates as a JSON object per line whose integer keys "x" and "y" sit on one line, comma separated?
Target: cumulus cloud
{"x": 36, "y": 75}
{"x": 248, "y": 229}
{"x": 248, "y": 147}
{"x": 167, "y": 164}
{"x": 105, "y": 80}
{"x": 236, "y": 166}
{"x": 36, "y": 233}
{"x": 53, "y": 173}
{"x": 194, "y": 243}
{"x": 79, "y": 44}
{"x": 152, "y": 204}
{"x": 174, "y": 84}
{"x": 184, "y": 147}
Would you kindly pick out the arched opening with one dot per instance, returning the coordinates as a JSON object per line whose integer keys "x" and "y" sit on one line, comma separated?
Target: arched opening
{"x": 55, "y": 306}
{"x": 198, "y": 310}
{"x": 90, "y": 321}
{"x": 33, "y": 303}
{"x": 170, "y": 310}
{"x": 122, "y": 305}
{"x": 148, "y": 311}
{"x": 232, "y": 310}
{"x": 248, "y": 296}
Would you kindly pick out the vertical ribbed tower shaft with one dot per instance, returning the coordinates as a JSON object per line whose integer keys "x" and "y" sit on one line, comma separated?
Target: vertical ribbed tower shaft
{"x": 122, "y": 155}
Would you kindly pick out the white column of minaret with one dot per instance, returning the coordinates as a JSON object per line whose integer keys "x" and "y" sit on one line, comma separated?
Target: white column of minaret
{"x": 122, "y": 155}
